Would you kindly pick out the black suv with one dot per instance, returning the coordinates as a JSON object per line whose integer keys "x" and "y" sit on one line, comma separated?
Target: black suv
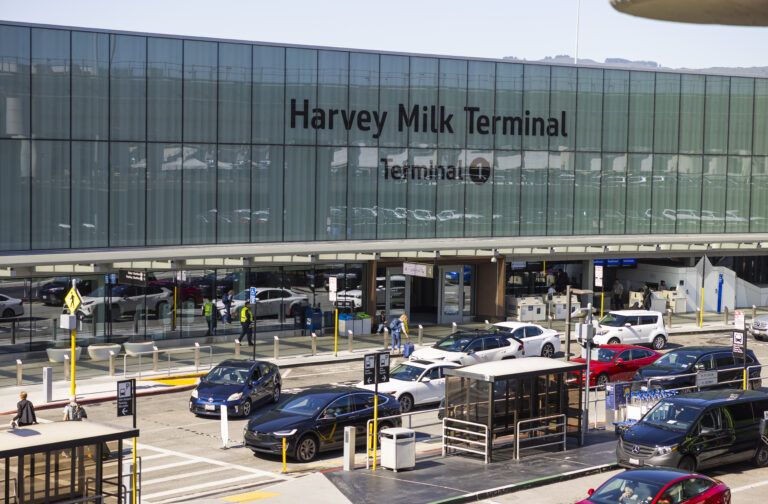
{"x": 688, "y": 360}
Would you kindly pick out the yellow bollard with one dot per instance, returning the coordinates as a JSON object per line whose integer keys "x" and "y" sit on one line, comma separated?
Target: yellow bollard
{"x": 701, "y": 313}
{"x": 602, "y": 301}
{"x": 336, "y": 333}
{"x": 72, "y": 363}
{"x": 745, "y": 380}
{"x": 375, "y": 426}
{"x": 284, "y": 471}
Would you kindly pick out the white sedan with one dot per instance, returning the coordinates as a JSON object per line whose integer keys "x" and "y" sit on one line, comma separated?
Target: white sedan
{"x": 536, "y": 339}
{"x": 10, "y": 307}
{"x": 468, "y": 348}
{"x": 268, "y": 302}
{"x": 126, "y": 299}
{"x": 415, "y": 382}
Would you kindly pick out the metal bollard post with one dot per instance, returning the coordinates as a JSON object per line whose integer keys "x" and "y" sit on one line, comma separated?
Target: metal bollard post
{"x": 421, "y": 334}
{"x": 197, "y": 357}
{"x": 277, "y": 347}
{"x": 111, "y": 363}
{"x": 725, "y": 315}
{"x": 386, "y": 337}
{"x": 55, "y": 324}
{"x": 549, "y": 324}
{"x": 48, "y": 384}
{"x": 454, "y": 328}
{"x": 13, "y": 332}
{"x": 155, "y": 359}
{"x": 66, "y": 368}
{"x": 18, "y": 372}
{"x": 754, "y": 312}
{"x": 350, "y": 340}
{"x": 237, "y": 348}
{"x": 698, "y": 315}
{"x": 669, "y": 318}
{"x": 314, "y": 344}
{"x": 487, "y": 323}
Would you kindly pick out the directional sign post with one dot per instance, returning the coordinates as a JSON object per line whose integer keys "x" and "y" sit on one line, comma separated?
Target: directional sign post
{"x": 126, "y": 405}
{"x": 72, "y": 300}
{"x": 375, "y": 371}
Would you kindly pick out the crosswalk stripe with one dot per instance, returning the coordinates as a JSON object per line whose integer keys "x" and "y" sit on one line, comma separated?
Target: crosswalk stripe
{"x": 197, "y": 487}
{"x": 166, "y": 466}
{"x": 182, "y": 475}
{"x": 151, "y": 457}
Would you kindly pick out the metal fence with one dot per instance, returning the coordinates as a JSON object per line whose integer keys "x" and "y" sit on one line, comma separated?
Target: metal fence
{"x": 542, "y": 431}
{"x": 169, "y": 353}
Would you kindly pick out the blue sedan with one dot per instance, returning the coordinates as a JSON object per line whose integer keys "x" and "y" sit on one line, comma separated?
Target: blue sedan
{"x": 237, "y": 384}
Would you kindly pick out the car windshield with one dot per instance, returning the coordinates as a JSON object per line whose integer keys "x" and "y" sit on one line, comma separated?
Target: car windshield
{"x": 405, "y": 372}
{"x": 242, "y": 296}
{"x": 501, "y": 331}
{"x": 454, "y": 342}
{"x": 304, "y": 405}
{"x": 613, "y": 320}
{"x": 225, "y": 375}
{"x": 672, "y": 416}
{"x": 676, "y": 360}
{"x": 602, "y": 354}
{"x": 625, "y": 488}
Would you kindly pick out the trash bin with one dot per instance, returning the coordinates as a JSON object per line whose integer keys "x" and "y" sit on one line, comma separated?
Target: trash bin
{"x": 398, "y": 448}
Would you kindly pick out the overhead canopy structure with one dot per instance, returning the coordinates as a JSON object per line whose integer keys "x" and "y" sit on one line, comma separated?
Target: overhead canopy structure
{"x": 722, "y": 12}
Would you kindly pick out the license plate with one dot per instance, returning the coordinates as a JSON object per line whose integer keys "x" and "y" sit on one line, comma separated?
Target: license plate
{"x": 210, "y": 407}
{"x": 634, "y": 461}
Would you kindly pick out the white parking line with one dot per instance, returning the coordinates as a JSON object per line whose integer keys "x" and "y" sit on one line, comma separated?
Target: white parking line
{"x": 182, "y": 475}
{"x": 196, "y": 487}
{"x": 747, "y": 487}
{"x": 285, "y": 373}
{"x": 151, "y": 457}
{"x": 166, "y": 466}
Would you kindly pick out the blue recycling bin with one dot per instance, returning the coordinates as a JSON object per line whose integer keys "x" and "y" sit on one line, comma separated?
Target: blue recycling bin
{"x": 314, "y": 319}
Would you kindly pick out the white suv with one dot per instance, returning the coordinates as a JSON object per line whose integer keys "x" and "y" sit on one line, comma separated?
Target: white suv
{"x": 632, "y": 327}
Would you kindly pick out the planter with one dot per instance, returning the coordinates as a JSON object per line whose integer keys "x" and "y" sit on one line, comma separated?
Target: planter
{"x": 100, "y": 351}
{"x": 57, "y": 354}
{"x": 132, "y": 348}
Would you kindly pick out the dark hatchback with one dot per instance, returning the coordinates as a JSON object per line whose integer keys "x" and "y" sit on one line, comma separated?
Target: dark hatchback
{"x": 689, "y": 360}
{"x": 313, "y": 421}
{"x": 237, "y": 384}
{"x": 54, "y": 292}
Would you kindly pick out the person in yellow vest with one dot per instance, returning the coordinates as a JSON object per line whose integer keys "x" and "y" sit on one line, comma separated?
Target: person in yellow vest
{"x": 209, "y": 312}
{"x": 246, "y": 323}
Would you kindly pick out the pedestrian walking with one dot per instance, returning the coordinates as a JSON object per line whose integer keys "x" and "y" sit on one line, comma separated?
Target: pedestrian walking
{"x": 209, "y": 312}
{"x": 398, "y": 327}
{"x": 618, "y": 294}
{"x": 73, "y": 411}
{"x": 226, "y": 299}
{"x": 25, "y": 412}
{"x": 246, "y": 324}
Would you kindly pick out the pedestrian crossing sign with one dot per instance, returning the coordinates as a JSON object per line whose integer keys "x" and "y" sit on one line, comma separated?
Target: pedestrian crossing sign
{"x": 72, "y": 300}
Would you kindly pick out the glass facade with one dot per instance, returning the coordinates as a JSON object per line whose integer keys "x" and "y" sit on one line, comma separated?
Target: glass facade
{"x": 119, "y": 140}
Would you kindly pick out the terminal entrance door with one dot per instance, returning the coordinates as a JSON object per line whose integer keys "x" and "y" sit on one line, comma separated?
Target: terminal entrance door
{"x": 398, "y": 291}
{"x": 454, "y": 294}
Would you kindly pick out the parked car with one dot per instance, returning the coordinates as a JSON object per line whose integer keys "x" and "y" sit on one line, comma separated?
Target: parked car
{"x": 468, "y": 347}
{"x": 313, "y": 421}
{"x": 186, "y": 292}
{"x": 237, "y": 384}
{"x": 125, "y": 300}
{"x": 697, "y": 431}
{"x": 632, "y": 327}
{"x": 689, "y": 360}
{"x": 54, "y": 292}
{"x": 268, "y": 302}
{"x": 536, "y": 339}
{"x": 414, "y": 383}
{"x": 660, "y": 486}
{"x": 610, "y": 363}
{"x": 759, "y": 327}
{"x": 10, "y": 306}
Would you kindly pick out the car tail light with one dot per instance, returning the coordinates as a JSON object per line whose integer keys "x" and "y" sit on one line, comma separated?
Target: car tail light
{"x": 520, "y": 347}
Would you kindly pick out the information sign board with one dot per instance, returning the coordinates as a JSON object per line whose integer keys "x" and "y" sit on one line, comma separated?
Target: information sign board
{"x": 125, "y": 397}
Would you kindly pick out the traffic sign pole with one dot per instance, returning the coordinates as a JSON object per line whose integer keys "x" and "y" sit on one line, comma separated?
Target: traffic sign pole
{"x": 72, "y": 301}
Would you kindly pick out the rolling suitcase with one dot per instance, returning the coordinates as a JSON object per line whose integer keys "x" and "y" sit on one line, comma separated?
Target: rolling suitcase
{"x": 407, "y": 349}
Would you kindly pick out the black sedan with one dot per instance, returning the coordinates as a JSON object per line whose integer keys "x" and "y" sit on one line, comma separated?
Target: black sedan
{"x": 313, "y": 421}
{"x": 54, "y": 292}
{"x": 238, "y": 385}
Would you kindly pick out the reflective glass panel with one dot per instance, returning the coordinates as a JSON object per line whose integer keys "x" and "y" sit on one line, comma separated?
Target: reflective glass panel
{"x": 741, "y": 115}
{"x": 90, "y": 86}
{"x": 587, "y": 191}
{"x": 737, "y": 195}
{"x": 667, "y": 113}
{"x": 421, "y": 118}
{"x": 688, "y": 216}
{"x": 14, "y": 81}
{"x": 758, "y": 217}
{"x": 301, "y": 97}
{"x": 332, "y": 86}
{"x": 234, "y": 108}
{"x": 421, "y": 190}
{"x": 481, "y": 82}
{"x": 560, "y": 193}
{"x": 164, "y": 89}
{"x": 664, "y": 194}
{"x": 234, "y": 194}
{"x": 641, "y": 87}
{"x": 613, "y": 194}
{"x": 509, "y": 105}
{"x": 90, "y": 205}
{"x": 716, "y": 115}
{"x": 127, "y": 87}
{"x": 450, "y": 177}
{"x": 506, "y": 193}
{"x": 589, "y": 122}
{"x": 563, "y": 109}
{"x": 50, "y": 83}
{"x": 639, "y": 184}
{"x": 299, "y": 209}
{"x": 392, "y": 193}
{"x": 267, "y": 193}
{"x": 364, "y": 100}
{"x": 615, "y": 101}
{"x": 452, "y": 119}
{"x": 199, "y": 194}
{"x": 393, "y": 98}
{"x": 713, "y": 195}
{"x": 533, "y": 192}
{"x": 479, "y": 190}
{"x": 200, "y": 73}
{"x": 331, "y": 193}
{"x": 164, "y": 175}
{"x": 268, "y": 94}
{"x": 50, "y": 194}
{"x": 691, "y": 113}
{"x": 761, "y": 117}
{"x": 127, "y": 175}
{"x": 362, "y": 182}
{"x": 536, "y": 107}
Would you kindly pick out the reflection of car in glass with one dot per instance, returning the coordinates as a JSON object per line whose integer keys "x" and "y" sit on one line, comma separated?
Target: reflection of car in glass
{"x": 313, "y": 420}
{"x": 632, "y": 327}
{"x": 697, "y": 431}
{"x": 268, "y": 302}
{"x": 415, "y": 382}
{"x": 237, "y": 384}
{"x": 186, "y": 292}
{"x": 689, "y": 360}
{"x": 537, "y": 340}
{"x": 614, "y": 363}
{"x": 10, "y": 307}
{"x": 126, "y": 299}
{"x": 759, "y": 327}
{"x": 54, "y": 292}
{"x": 472, "y": 348}
{"x": 352, "y": 298}
{"x": 659, "y": 486}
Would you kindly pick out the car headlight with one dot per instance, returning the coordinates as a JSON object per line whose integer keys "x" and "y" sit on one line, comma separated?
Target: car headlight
{"x": 285, "y": 433}
{"x": 235, "y": 397}
{"x": 601, "y": 332}
{"x": 663, "y": 450}
{"x": 194, "y": 393}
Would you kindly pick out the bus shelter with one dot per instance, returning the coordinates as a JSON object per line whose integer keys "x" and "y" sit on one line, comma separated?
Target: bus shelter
{"x": 63, "y": 462}
{"x": 520, "y": 403}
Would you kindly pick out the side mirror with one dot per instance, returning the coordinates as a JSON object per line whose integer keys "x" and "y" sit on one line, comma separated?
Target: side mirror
{"x": 627, "y": 324}
{"x": 328, "y": 417}
{"x": 619, "y": 362}
{"x": 590, "y": 492}
{"x": 426, "y": 379}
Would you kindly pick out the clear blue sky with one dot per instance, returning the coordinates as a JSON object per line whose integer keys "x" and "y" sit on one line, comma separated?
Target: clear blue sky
{"x": 526, "y": 29}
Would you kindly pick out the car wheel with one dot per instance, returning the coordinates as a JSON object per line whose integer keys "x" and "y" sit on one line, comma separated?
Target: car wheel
{"x": 761, "y": 457}
{"x": 548, "y": 350}
{"x": 406, "y": 402}
{"x": 659, "y": 342}
{"x": 8, "y": 313}
{"x": 276, "y": 393}
{"x": 687, "y": 465}
{"x": 614, "y": 341}
{"x": 306, "y": 449}
{"x": 602, "y": 380}
{"x": 246, "y": 411}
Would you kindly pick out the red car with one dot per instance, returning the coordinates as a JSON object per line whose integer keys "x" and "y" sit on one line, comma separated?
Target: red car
{"x": 660, "y": 486}
{"x": 185, "y": 292}
{"x": 616, "y": 363}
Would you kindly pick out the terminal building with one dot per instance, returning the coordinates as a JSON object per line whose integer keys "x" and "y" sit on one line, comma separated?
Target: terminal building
{"x": 444, "y": 188}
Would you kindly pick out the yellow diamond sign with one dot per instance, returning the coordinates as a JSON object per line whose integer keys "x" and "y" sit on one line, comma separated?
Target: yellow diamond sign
{"x": 72, "y": 300}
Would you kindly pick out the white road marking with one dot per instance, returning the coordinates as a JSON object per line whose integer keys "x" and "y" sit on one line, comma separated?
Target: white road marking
{"x": 182, "y": 475}
{"x": 151, "y": 457}
{"x": 285, "y": 373}
{"x": 747, "y": 487}
{"x": 166, "y": 466}
{"x": 197, "y": 487}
